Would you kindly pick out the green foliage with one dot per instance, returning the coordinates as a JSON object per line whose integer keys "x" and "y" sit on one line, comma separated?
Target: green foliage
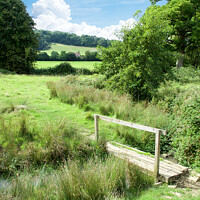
{"x": 43, "y": 56}
{"x": 183, "y": 104}
{"x": 4, "y": 71}
{"x": 48, "y": 37}
{"x": 187, "y": 75}
{"x": 186, "y": 140}
{"x": 18, "y": 42}
{"x": 184, "y": 17}
{"x": 140, "y": 63}
{"x": 68, "y": 56}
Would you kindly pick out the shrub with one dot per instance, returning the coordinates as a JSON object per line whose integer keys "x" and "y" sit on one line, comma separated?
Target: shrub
{"x": 187, "y": 74}
{"x": 4, "y": 71}
{"x": 186, "y": 140}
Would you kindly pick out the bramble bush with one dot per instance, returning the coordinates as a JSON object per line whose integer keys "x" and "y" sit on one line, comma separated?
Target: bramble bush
{"x": 186, "y": 139}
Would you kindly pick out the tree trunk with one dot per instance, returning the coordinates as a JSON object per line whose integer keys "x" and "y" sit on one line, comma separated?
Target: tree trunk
{"x": 179, "y": 62}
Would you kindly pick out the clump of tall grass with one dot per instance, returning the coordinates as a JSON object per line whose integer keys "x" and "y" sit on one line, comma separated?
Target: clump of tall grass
{"x": 100, "y": 180}
{"x": 72, "y": 91}
{"x": 95, "y": 179}
{"x": 24, "y": 145}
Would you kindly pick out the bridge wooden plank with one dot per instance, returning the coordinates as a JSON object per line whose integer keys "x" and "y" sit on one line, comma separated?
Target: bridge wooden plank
{"x": 145, "y": 159}
{"x": 165, "y": 163}
{"x": 168, "y": 170}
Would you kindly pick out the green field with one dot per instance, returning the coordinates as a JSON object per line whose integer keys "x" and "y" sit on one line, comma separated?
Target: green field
{"x": 76, "y": 64}
{"x": 32, "y": 91}
{"x": 68, "y": 48}
{"x": 43, "y": 111}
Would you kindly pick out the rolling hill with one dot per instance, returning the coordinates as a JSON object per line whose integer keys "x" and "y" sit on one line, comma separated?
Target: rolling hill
{"x": 69, "y": 48}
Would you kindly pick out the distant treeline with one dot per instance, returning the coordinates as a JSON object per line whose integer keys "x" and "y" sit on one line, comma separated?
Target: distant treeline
{"x": 48, "y": 37}
{"x": 70, "y": 56}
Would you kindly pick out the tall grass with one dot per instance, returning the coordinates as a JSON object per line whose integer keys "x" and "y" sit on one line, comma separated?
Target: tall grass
{"x": 24, "y": 145}
{"x": 95, "y": 179}
{"x": 87, "y": 96}
{"x": 56, "y": 162}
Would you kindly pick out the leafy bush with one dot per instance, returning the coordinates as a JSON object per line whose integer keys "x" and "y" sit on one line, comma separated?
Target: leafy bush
{"x": 4, "y": 71}
{"x": 182, "y": 102}
{"x": 187, "y": 74}
{"x": 139, "y": 63}
{"x": 186, "y": 140}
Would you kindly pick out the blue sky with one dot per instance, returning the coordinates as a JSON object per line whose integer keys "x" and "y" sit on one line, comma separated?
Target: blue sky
{"x": 92, "y": 17}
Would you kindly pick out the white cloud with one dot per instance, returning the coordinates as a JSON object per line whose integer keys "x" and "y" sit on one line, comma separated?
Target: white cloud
{"x": 55, "y": 15}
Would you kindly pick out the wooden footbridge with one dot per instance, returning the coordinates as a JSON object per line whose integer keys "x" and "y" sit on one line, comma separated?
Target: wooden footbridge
{"x": 163, "y": 170}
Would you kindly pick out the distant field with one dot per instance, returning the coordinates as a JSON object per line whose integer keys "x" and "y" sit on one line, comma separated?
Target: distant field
{"x": 68, "y": 48}
{"x": 76, "y": 64}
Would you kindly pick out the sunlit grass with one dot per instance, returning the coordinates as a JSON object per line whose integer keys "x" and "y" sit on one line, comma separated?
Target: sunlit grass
{"x": 68, "y": 48}
{"x": 76, "y": 64}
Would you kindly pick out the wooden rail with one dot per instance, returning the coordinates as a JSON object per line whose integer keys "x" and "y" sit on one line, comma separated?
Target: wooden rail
{"x": 158, "y": 133}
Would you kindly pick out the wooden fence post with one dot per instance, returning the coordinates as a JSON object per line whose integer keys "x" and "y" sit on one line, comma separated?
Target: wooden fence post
{"x": 157, "y": 155}
{"x": 96, "y": 117}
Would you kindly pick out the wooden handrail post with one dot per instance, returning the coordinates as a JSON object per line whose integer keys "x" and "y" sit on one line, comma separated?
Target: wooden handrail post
{"x": 157, "y": 155}
{"x": 96, "y": 117}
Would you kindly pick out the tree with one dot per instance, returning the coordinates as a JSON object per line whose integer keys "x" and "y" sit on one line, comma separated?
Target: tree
{"x": 43, "y": 56}
{"x": 70, "y": 56}
{"x": 91, "y": 56}
{"x": 18, "y": 41}
{"x": 54, "y": 55}
{"x": 63, "y": 55}
{"x": 184, "y": 18}
{"x": 139, "y": 63}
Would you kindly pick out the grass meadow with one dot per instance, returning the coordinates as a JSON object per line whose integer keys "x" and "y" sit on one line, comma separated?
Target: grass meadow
{"x": 75, "y": 64}
{"x": 68, "y": 48}
{"x": 41, "y": 148}
{"x": 43, "y": 154}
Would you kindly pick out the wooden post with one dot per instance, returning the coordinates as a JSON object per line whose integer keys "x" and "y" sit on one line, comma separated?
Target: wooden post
{"x": 96, "y": 117}
{"x": 157, "y": 155}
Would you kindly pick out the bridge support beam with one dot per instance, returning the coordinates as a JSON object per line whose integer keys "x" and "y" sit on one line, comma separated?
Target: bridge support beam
{"x": 157, "y": 155}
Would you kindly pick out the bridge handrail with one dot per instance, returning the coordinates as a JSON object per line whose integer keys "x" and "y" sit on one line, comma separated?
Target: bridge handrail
{"x": 157, "y": 131}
